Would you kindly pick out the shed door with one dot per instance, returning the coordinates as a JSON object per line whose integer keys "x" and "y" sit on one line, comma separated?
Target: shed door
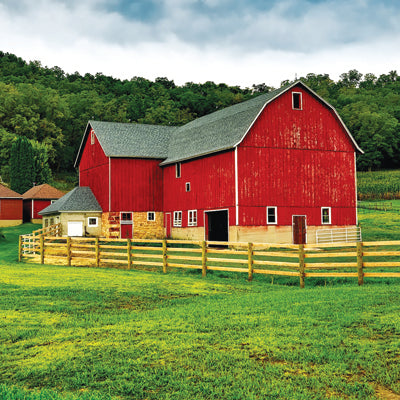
{"x": 299, "y": 227}
{"x": 75, "y": 228}
{"x": 217, "y": 226}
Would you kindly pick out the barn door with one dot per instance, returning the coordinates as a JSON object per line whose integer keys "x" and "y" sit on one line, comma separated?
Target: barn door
{"x": 299, "y": 228}
{"x": 217, "y": 226}
{"x": 126, "y": 223}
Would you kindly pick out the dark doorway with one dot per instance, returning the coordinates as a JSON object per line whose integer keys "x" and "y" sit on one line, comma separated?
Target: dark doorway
{"x": 299, "y": 229}
{"x": 217, "y": 226}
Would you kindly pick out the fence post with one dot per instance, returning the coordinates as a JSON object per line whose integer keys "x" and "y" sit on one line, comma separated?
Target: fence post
{"x": 250, "y": 260}
{"x": 20, "y": 248}
{"x": 164, "y": 256}
{"x": 360, "y": 263}
{"x": 69, "y": 251}
{"x": 203, "y": 258}
{"x": 41, "y": 246}
{"x": 97, "y": 249}
{"x": 301, "y": 265}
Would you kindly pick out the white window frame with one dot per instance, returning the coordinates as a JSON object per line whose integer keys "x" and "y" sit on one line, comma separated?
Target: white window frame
{"x": 192, "y": 218}
{"x": 93, "y": 225}
{"x": 52, "y": 201}
{"x": 151, "y": 216}
{"x": 92, "y": 137}
{"x": 187, "y": 186}
{"x": 329, "y": 215}
{"x": 275, "y": 215}
{"x": 177, "y": 218}
{"x": 178, "y": 170}
{"x": 300, "y": 100}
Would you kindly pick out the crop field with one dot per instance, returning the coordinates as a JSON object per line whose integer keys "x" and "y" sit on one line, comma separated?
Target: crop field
{"x": 106, "y": 334}
{"x": 378, "y": 185}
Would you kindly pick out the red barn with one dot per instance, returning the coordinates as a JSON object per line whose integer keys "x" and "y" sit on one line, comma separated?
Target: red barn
{"x": 10, "y": 207}
{"x": 38, "y": 198}
{"x": 274, "y": 168}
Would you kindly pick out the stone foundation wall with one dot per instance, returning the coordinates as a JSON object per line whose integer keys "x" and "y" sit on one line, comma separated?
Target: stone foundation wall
{"x": 110, "y": 227}
{"x": 143, "y": 229}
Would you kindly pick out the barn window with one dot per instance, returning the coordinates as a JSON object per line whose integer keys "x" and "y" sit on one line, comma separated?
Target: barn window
{"x": 92, "y": 136}
{"x": 52, "y": 201}
{"x": 177, "y": 218}
{"x": 126, "y": 217}
{"x": 178, "y": 170}
{"x": 325, "y": 215}
{"x": 297, "y": 101}
{"x": 192, "y": 218}
{"x": 272, "y": 218}
{"x": 93, "y": 222}
{"x": 188, "y": 186}
{"x": 151, "y": 216}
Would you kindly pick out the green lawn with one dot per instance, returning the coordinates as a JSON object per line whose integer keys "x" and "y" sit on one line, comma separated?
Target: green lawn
{"x": 82, "y": 333}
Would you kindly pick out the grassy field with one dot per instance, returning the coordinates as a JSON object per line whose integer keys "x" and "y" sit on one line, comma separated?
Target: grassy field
{"x": 90, "y": 334}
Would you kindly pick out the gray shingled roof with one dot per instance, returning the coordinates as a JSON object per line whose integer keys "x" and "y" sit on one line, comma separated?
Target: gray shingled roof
{"x": 219, "y": 131}
{"x": 78, "y": 199}
{"x": 130, "y": 140}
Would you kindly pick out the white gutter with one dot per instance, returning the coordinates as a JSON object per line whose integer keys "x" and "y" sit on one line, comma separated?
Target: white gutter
{"x": 236, "y": 187}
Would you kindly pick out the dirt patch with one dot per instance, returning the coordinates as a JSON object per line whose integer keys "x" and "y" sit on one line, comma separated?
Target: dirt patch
{"x": 386, "y": 394}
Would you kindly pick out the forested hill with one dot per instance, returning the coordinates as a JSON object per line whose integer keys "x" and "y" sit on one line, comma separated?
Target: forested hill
{"x": 52, "y": 107}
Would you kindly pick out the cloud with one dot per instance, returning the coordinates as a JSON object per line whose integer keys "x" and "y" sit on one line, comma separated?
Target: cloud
{"x": 237, "y": 42}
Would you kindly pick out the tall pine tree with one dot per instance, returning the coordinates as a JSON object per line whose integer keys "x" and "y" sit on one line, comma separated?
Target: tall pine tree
{"x": 22, "y": 165}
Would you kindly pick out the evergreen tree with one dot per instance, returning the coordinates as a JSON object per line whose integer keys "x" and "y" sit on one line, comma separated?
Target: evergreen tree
{"x": 22, "y": 166}
{"x": 41, "y": 161}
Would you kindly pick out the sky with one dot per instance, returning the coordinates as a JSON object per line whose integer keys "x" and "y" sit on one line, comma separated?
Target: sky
{"x": 237, "y": 42}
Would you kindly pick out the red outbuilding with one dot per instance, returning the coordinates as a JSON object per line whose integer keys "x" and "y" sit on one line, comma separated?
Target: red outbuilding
{"x": 36, "y": 199}
{"x": 10, "y": 207}
{"x": 275, "y": 168}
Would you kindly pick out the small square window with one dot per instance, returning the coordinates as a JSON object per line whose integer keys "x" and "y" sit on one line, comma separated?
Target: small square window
{"x": 272, "y": 218}
{"x": 188, "y": 186}
{"x": 297, "y": 101}
{"x": 126, "y": 216}
{"x": 151, "y": 216}
{"x": 178, "y": 170}
{"x": 177, "y": 218}
{"x": 52, "y": 201}
{"x": 92, "y": 222}
{"x": 192, "y": 218}
{"x": 325, "y": 215}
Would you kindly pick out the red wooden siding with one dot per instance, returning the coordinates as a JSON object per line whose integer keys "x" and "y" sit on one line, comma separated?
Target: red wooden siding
{"x": 93, "y": 172}
{"x": 136, "y": 185}
{"x": 212, "y": 186}
{"x": 38, "y": 205}
{"x": 299, "y": 161}
{"x": 11, "y": 209}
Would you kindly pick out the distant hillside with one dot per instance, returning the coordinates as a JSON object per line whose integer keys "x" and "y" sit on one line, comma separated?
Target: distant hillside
{"x": 52, "y": 107}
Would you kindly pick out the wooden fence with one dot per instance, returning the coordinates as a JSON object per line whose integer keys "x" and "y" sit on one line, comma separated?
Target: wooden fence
{"x": 345, "y": 260}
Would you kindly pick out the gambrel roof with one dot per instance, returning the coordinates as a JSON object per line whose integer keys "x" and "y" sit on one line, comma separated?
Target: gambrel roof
{"x": 212, "y": 133}
{"x": 78, "y": 199}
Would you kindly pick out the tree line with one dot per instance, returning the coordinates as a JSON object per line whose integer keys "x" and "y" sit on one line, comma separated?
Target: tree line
{"x": 51, "y": 108}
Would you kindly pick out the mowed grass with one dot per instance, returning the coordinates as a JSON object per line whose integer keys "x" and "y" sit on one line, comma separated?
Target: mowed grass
{"x": 143, "y": 335}
{"x": 90, "y": 334}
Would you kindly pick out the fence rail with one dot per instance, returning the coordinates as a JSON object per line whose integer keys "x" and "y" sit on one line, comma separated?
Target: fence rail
{"x": 354, "y": 260}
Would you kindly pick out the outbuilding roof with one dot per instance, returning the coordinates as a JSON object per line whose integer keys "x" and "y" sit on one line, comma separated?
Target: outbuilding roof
{"x": 6, "y": 192}
{"x": 79, "y": 199}
{"x": 44, "y": 191}
{"x": 218, "y": 131}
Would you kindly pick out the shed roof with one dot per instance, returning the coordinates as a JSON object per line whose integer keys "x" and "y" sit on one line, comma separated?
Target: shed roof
{"x": 79, "y": 199}
{"x": 44, "y": 191}
{"x": 6, "y": 192}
